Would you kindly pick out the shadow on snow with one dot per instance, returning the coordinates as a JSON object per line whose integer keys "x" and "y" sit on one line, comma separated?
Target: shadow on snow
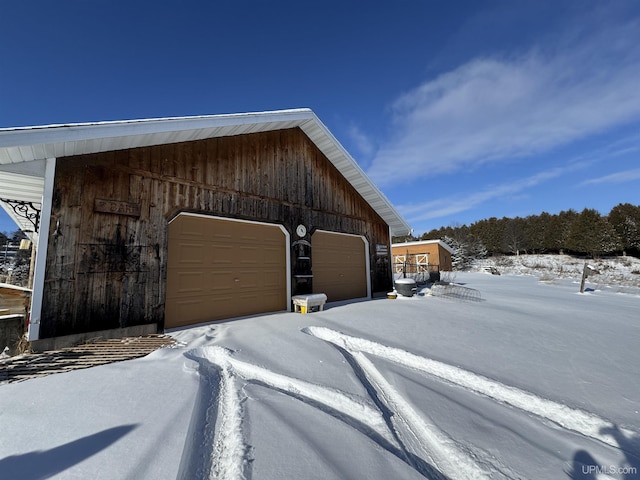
{"x": 585, "y": 467}
{"x": 47, "y": 463}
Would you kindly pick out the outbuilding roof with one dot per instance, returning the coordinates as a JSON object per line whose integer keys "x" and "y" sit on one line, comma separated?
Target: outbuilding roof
{"x": 24, "y": 150}
{"x": 423, "y": 242}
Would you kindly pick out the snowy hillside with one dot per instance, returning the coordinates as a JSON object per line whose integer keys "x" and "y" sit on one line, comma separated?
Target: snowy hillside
{"x": 531, "y": 380}
{"x": 610, "y": 272}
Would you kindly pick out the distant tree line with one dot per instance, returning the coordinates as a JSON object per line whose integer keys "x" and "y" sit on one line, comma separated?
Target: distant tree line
{"x": 585, "y": 233}
{"x": 15, "y": 236}
{"x": 14, "y": 262}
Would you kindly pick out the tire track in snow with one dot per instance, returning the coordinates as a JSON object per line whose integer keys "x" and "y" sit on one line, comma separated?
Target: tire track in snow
{"x": 394, "y": 424}
{"x": 230, "y": 451}
{"x": 215, "y": 446}
{"x": 425, "y": 441}
{"x": 229, "y": 456}
{"x": 576, "y": 420}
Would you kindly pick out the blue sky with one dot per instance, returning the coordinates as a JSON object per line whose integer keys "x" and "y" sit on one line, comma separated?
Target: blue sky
{"x": 458, "y": 110}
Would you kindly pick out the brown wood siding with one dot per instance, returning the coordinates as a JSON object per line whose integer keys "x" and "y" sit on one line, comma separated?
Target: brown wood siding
{"x": 13, "y": 301}
{"x": 108, "y": 270}
{"x": 437, "y": 254}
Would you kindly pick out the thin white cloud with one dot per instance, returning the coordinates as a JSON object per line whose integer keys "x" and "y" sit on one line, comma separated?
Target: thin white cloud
{"x": 503, "y": 108}
{"x": 618, "y": 177}
{"x": 454, "y": 204}
{"x": 362, "y": 142}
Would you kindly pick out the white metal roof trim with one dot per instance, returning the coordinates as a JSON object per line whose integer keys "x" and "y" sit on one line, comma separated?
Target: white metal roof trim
{"x": 7, "y": 155}
{"x": 52, "y": 134}
{"x": 334, "y": 150}
{"x": 17, "y": 154}
{"x": 103, "y": 144}
{"x": 22, "y": 177}
{"x": 21, "y": 196}
{"x": 17, "y": 184}
{"x": 68, "y": 140}
{"x": 92, "y": 130}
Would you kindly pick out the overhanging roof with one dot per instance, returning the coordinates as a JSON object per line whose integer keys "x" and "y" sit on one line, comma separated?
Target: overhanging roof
{"x": 423, "y": 242}
{"x": 23, "y": 150}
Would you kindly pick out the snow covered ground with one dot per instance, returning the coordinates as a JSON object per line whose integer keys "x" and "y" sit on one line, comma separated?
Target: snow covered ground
{"x": 533, "y": 381}
{"x": 619, "y": 273}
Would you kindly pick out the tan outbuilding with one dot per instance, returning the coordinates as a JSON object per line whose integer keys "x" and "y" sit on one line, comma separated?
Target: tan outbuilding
{"x": 430, "y": 255}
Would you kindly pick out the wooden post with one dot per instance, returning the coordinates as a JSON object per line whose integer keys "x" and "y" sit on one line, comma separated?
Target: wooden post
{"x": 588, "y": 270}
{"x": 32, "y": 264}
{"x": 584, "y": 277}
{"x": 404, "y": 265}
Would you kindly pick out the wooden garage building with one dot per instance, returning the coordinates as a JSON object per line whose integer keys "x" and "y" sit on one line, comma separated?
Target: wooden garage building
{"x": 169, "y": 222}
{"x": 430, "y": 254}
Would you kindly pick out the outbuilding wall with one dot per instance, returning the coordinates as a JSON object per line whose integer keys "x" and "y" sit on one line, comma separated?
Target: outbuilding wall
{"x": 438, "y": 255}
{"x": 107, "y": 254}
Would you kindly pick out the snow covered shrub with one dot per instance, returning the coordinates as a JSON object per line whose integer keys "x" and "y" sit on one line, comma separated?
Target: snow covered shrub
{"x": 535, "y": 265}
{"x": 625, "y": 261}
{"x": 448, "y": 277}
{"x": 503, "y": 261}
{"x": 466, "y": 249}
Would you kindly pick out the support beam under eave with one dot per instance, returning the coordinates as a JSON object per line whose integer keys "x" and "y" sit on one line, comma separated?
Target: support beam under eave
{"x": 41, "y": 252}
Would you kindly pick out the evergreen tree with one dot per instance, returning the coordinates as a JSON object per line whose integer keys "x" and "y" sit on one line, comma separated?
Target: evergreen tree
{"x": 591, "y": 233}
{"x": 433, "y": 234}
{"x": 490, "y": 232}
{"x": 466, "y": 248}
{"x": 513, "y": 238}
{"x": 587, "y": 232}
{"x": 625, "y": 219}
{"x": 403, "y": 239}
{"x": 535, "y": 230}
{"x": 557, "y": 233}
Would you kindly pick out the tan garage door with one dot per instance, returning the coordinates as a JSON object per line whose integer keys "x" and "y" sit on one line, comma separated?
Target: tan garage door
{"x": 339, "y": 264}
{"x": 219, "y": 268}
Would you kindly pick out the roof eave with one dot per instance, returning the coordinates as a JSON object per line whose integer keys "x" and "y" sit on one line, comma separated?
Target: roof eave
{"x": 27, "y": 144}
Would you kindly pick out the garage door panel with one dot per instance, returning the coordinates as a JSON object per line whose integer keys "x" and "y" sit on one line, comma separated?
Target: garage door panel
{"x": 339, "y": 266}
{"x": 191, "y": 253}
{"x": 222, "y": 281}
{"x": 190, "y": 282}
{"x": 220, "y": 254}
{"x": 183, "y": 309}
{"x": 221, "y": 242}
{"x": 271, "y": 256}
{"x": 248, "y": 239}
{"x": 233, "y": 269}
{"x": 249, "y": 255}
{"x": 189, "y": 228}
{"x": 246, "y": 282}
{"x": 271, "y": 280}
